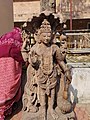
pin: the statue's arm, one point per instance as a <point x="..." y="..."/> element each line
<point x="60" y="60"/>
<point x="63" y="65"/>
<point x="24" y="52"/>
<point x="66" y="72"/>
<point x="34" y="57"/>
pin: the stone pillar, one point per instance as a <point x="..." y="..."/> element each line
<point x="49" y="5"/>
<point x="6" y="16"/>
<point x="44" y="5"/>
<point x="58" y="5"/>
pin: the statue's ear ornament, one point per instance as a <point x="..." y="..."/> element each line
<point x="32" y="39"/>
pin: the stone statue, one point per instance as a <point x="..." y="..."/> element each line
<point x="63" y="85"/>
<point x="46" y="64"/>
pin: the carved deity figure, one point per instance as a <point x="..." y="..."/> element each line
<point x="63" y="83"/>
<point x="42" y="73"/>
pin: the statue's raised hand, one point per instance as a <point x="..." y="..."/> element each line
<point x="34" y="58"/>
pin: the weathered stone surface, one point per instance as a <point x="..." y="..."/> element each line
<point x="38" y="116"/>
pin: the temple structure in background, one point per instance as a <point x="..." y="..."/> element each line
<point x="75" y="12"/>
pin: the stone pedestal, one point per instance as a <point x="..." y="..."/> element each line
<point x="6" y="16"/>
<point x="39" y="116"/>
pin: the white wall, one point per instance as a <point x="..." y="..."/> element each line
<point x="80" y="86"/>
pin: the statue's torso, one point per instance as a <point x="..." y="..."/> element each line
<point x="46" y="57"/>
<point x="46" y="72"/>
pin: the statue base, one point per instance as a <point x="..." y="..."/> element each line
<point x="39" y="115"/>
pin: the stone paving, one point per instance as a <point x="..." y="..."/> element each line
<point x="82" y="111"/>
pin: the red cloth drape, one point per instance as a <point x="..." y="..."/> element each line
<point x="10" y="70"/>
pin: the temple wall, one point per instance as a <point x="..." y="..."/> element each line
<point x="25" y="10"/>
<point x="6" y="16"/>
<point x="80" y="8"/>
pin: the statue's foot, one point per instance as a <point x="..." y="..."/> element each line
<point x="54" y="114"/>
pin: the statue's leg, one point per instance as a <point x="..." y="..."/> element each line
<point x="51" y="105"/>
<point x="43" y="104"/>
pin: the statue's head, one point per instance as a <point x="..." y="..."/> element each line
<point x="45" y="30"/>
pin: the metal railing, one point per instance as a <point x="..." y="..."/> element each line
<point x="78" y="40"/>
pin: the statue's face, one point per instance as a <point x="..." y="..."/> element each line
<point x="46" y="37"/>
<point x="46" y="33"/>
<point x="64" y="44"/>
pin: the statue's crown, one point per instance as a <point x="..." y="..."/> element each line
<point x="45" y="22"/>
<point x="45" y="27"/>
